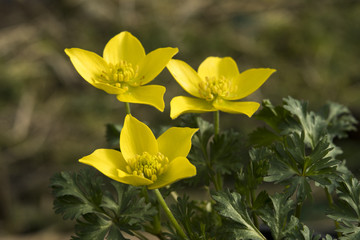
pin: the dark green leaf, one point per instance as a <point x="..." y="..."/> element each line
<point x="102" y="211"/>
<point x="231" y="206"/>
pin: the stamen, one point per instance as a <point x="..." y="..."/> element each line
<point x="120" y="75"/>
<point x="147" y="165"/>
<point x="211" y="87"/>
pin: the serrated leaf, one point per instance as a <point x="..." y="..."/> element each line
<point x="339" y="119"/>
<point x="295" y="165"/>
<point x="252" y="176"/>
<point x="226" y="151"/>
<point x="314" y="126"/>
<point x="100" y="211"/>
<point x="276" y="216"/>
<point x="347" y="209"/>
<point x="76" y="194"/>
<point x="94" y="227"/>
<point x="196" y="218"/>
<point x="231" y="206"/>
<point x="263" y="137"/>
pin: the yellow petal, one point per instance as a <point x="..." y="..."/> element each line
<point x="248" y="82"/>
<point x="109" y="88"/>
<point x="133" y="179"/>
<point x="176" y="142"/>
<point x="88" y="64"/>
<point x="136" y="138"/>
<point x="151" y="95"/>
<point x="178" y="169"/>
<point x="185" y="75"/>
<point x="107" y="161"/>
<point x="247" y="108"/>
<point x="124" y="46"/>
<point x="154" y="63"/>
<point x="180" y="105"/>
<point x="218" y="67"/>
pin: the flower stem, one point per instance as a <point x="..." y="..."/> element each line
<point x="216" y="123"/>
<point x="127" y="108"/>
<point x="169" y="214"/>
<point x="298" y="209"/>
<point x="331" y="204"/>
<point x="252" y="196"/>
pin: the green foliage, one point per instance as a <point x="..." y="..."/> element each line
<point x="296" y="149"/>
<point x="276" y="215"/>
<point x="214" y="155"/>
<point x="293" y="166"/>
<point x="199" y="221"/>
<point x="99" y="213"/>
<point x="233" y="207"/>
<point x="249" y="178"/>
<point x="347" y="209"/>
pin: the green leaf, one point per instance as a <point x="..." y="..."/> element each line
<point x="196" y="218"/>
<point x="276" y="216"/>
<point x="226" y="152"/>
<point x="302" y="232"/>
<point x="250" y="178"/>
<point x="294" y="165"/>
<point x="100" y="209"/>
<point x="91" y="226"/>
<point x="339" y="119"/>
<point x="263" y="137"/>
<point x="232" y="207"/>
<point x="347" y="209"/>
<point x="314" y="126"/>
<point x="76" y="194"/>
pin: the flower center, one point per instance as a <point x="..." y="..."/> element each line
<point x="211" y="87"/>
<point x="148" y="166"/>
<point x="120" y="75"/>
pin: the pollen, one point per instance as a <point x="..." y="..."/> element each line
<point x="120" y="75"/>
<point x="211" y="87"/>
<point x="148" y="166"/>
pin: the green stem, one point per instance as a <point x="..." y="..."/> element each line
<point x="298" y="210"/>
<point x="216" y="123"/>
<point x="218" y="182"/>
<point x="252" y="196"/>
<point x="127" y="108"/>
<point x="169" y="214"/>
<point x="331" y="204"/>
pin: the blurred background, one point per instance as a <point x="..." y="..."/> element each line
<point x="50" y="117"/>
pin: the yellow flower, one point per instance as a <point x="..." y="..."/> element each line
<point x="124" y="69"/>
<point x="216" y="84"/>
<point x="145" y="160"/>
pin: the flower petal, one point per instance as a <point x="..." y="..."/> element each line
<point x="180" y="105"/>
<point x="154" y="63"/>
<point x="176" y="142"/>
<point x="185" y="75"/>
<point x="124" y="47"/>
<point x="107" y="161"/>
<point x="249" y="81"/>
<point x="247" y="108"/>
<point x="151" y="95"/>
<point x="109" y="88"/>
<point x="136" y="138"/>
<point x="178" y="169"/>
<point x="88" y="64"/>
<point x="132" y="179"/>
<point x="218" y="67"/>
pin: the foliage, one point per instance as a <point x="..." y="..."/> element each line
<point x="295" y="150"/>
<point x="99" y="213"/>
